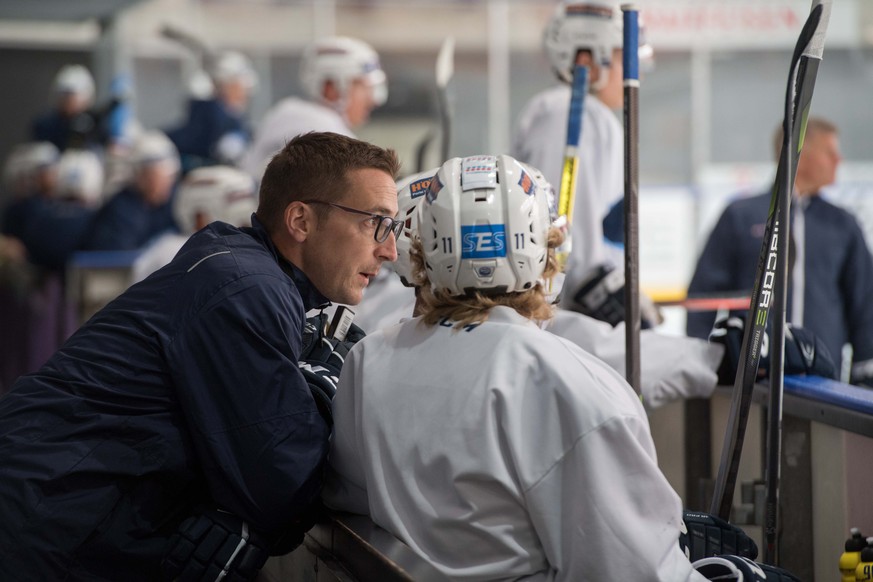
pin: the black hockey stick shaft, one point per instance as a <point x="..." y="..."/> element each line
<point x="631" y="62"/>
<point x="762" y="296"/>
<point x="798" y="99"/>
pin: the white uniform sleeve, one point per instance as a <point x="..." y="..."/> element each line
<point x="671" y="367"/>
<point x="606" y="512"/>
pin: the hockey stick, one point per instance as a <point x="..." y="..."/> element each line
<point x="445" y="68"/>
<point x="570" y="169"/>
<point x="762" y="292"/>
<point x="204" y="53"/>
<point x="631" y="58"/>
<point x="798" y="96"/>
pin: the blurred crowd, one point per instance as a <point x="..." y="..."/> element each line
<point x="92" y="178"/>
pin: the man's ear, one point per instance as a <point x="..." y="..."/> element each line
<point x="299" y="221"/>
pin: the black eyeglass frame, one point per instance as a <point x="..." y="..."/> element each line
<point x="384" y="227"/>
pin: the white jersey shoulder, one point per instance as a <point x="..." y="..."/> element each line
<point x="671" y="367"/>
<point x="289" y="117"/>
<point x="540" y="139"/>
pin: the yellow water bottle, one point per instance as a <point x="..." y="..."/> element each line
<point x="850" y="558"/>
<point x="864" y="569"/>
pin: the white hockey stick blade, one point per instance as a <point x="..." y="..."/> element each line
<point x="445" y="65"/>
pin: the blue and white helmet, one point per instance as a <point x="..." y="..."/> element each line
<point x="484" y="227"/>
<point x="410" y="193"/>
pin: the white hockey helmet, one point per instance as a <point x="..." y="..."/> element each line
<point x="484" y="227"/>
<point x="410" y="193"/>
<point x="153" y="147"/>
<point x="342" y="60"/>
<point x="218" y="193"/>
<point x="231" y="66"/>
<point x="80" y="177"/>
<point x="75" y="79"/>
<point x="594" y="25"/>
<point x="25" y="161"/>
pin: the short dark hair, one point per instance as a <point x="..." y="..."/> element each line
<point x="315" y="166"/>
<point x="814" y="126"/>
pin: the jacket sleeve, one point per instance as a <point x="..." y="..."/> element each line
<point x="714" y="272"/>
<point x="253" y="423"/>
<point x="856" y="283"/>
<point x="605" y="511"/>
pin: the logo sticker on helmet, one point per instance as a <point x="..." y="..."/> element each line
<point x="483" y="241"/>
<point x="526" y="182"/>
<point x="478" y="172"/>
<point x="419" y="187"/>
<point x="433" y="189"/>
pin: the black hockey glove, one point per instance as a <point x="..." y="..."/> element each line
<point x="804" y="352"/>
<point x="738" y="569"/>
<point x="322" y="360"/>
<point x="706" y="535"/>
<point x="214" y="545"/>
<point x="601" y="297"/>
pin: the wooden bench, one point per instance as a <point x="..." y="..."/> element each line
<point x="350" y="548"/>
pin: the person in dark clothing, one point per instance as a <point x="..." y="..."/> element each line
<point x="216" y="130"/>
<point x="143" y="209"/>
<point x="186" y="390"/>
<point x="831" y="279"/>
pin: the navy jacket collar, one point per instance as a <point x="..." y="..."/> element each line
<point x="312" y="297"/>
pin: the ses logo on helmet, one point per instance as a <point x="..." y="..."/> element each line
<point x="483" y="241"/>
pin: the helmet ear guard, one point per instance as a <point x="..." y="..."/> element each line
<point x="484" y="227"/>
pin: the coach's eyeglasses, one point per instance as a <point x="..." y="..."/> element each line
<point x="382" y="225"/>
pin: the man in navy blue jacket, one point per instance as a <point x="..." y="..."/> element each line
<point x="831" y="280"/>
<point x="186" y="389"/>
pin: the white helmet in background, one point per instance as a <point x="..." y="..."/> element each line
<point x="231" y="66"/>
<point x="410" y="193"/>
<point x="342" y="60"/>
<point x="25" y="161"/>
<point x="80" y="177"/>
<point x="153" y="147"/>
<point x="484" y="227"/>
<point x="594" y="25"/>
<point x="75" y="79"/>
<point x="216" y="193"/>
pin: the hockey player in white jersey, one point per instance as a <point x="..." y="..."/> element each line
<point x="343" y="81"/>
<point x="588" y="33"/>
<point x="672" y="367"/>
<point x="492" y="448"/>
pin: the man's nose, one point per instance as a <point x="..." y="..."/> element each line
<point x="387" y="251"/>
